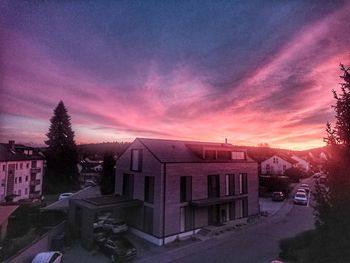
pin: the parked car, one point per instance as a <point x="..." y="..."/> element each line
<point x="48" y="257"/>
<point x="300" y="198"/>
<point x="277" y="196"/>
<point x="116" y="226"/>
<point x="118" y="248"/>
<point x="100" y="234"/>
<point x="64" y="196"/>
<point x="301" y="190"/>
<point x="306" y="187"/>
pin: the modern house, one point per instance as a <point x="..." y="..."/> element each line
<point x="276" y="164"/>
<point x="21" y="172"/>
<point x="185" y="186"/>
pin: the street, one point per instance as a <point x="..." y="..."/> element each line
<point x="257" y="243"/>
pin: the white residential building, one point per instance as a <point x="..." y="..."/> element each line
<point x="276" y="165"/>
<point x="21" y="172"/>
<point x="301" y="163"/>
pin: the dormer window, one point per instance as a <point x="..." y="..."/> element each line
<point x="210" y="155"/>
<point x="238" y="155"/>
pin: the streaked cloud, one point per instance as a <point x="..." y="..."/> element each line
<point x="250" y="72"/>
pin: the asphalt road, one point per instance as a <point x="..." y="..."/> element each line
<point x="257" y="243"/>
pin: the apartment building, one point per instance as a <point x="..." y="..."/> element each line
<point x="21" y="172"/>
<point x="185" y="186"/>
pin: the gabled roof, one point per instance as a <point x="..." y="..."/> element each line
<point x="284" y="157"/>
<point x="173" y="151"/>
<point x="17" y="154"/>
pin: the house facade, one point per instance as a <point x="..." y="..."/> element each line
<point x="301" y="163"/>
<point x="185" y="186"/>
<point x="21" y="172"/>
<point x="276" y="165"/>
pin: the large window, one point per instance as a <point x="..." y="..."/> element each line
<point x="238" y="155"/>
<point x="213" y="186"/>
<point x="186" y="219"/>
<point x="149" y="189"/>
<point x="230" y="184"/>
<point x="33" y="164"/>
<point x="243" y="183"/>
<point x="241" y="208"/>
<point x="185" y="188"/>
<point x="136" y="160"/>
<point x="148" y="219"/>
<point x="128" y="185"/>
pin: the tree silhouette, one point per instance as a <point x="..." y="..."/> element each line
<point x="108" y="175"/>
<point x="61" y="155"/>
<point x="332" y="210"/>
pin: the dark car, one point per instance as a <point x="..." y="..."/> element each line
<point x="277" y="196"/>
<point x="118" y="248"/>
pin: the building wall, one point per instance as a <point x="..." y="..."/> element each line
<point x="199" y="173"/>
<point x="276" y="167"/>
<point x="302" y="164"/>
<point x="150" y="167"/>
<point x="23" y="170"/>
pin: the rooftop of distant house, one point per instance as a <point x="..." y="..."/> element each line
<point x="17" y="152"/>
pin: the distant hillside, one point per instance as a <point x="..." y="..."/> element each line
<point x="101" y="148"/>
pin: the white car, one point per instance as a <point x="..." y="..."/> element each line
<point x="301" y="190"/>
<point x="48" y="257"/>
<point x="300" y="198"/>
<point x="306" y="187"/>
<point x="64" y="196"/>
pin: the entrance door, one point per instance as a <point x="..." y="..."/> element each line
<point x="214" y="215"/>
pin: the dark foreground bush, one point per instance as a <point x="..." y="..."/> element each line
<point x="292" y="247"/>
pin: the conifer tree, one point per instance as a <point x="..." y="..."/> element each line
<point x="61" y="155"/>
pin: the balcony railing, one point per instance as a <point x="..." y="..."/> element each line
<point x="34" y="182"/>
<point x="35" y="170"/>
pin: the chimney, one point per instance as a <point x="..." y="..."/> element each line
<point x="12" y="145"/>
<point x="225" y="140"/>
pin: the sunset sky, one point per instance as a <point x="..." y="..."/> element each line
<point x="249" y="71"/>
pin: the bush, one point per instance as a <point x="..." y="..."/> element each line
<point x="292" y="247"/>
<point x="294" y="174"/>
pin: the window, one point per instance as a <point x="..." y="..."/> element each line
<point x="33" y="164"/>
<point x="3" y="167"/>
<point x="213" y="186"/>
<point x="210" y="155"/>
<point x="21" y="166"/>
<point x="148" y="219"/>
<point x="149" y="189"/>
<point x="243" y="183"/>
<point x="20" y="179"/>
<point x="267" y="168"/>
<point x="26" y="178"/>
<point x="224" y="155"/>
<point x="16" y="166"/>
<point x="238" y="155"/>
<point x="241" y="208"/>
<point x="230" y="184"/>
<point x="185" y="188"/>
<point x="27" y="165"/>
<point x="232" y="211"/>
<point x="186" y="219"/>
<point x="136" y="160"/>
<point x="128" y="185"/>
<point x="15" y="180"/>
<point x="26" y="191"/>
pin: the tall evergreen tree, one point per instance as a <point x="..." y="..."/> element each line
<point x="108" y="175"/>
<point x="62" y="154"/>
<point x="332" y="209"/>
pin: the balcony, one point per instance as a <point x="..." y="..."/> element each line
<point x="34" y="182"/>
<point x="35" y="170"/>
